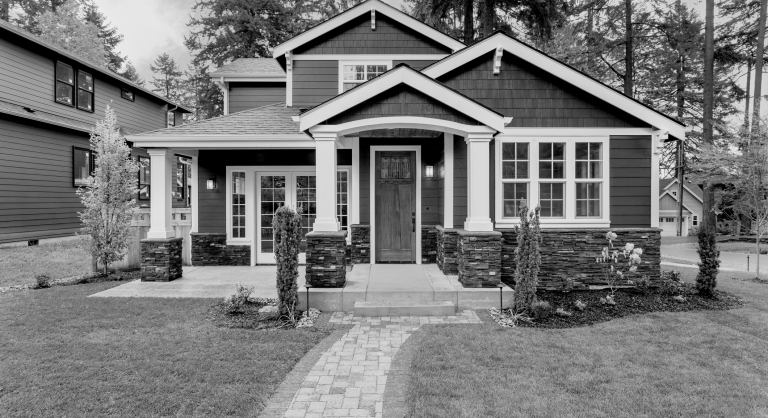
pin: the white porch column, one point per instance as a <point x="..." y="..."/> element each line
<point x="325" y="171"/>
<point x="161" y="167"/>
<point x="448" y="181"/>
<point x="478" y="179"/>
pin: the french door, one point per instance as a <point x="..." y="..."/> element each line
<point x="296" y="189"/>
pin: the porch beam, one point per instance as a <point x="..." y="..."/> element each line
<point x="161" y="160"/>
<point x="478" y="176"/>
<point x="325" y="172"/>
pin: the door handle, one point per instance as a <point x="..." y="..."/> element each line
<point x="413" y="220"/>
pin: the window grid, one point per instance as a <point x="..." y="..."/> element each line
<point x="589" y="160"/>
<point x="306" y="202"/>
<point x="588" y="200"/>
<point x="65" y="84"/>
<point x="144" y="178"/>
<point x="238" y="204"/>
<point x="84" y="91"/>
<point x="342" y="198"/>
<point x="552" y="200"/>
<point x="515" y="158"/>
<point x="695" y="220"/>
<point x="358" y="73"/>
<point x="552" y="160"/>
<point x="273" y="189"/>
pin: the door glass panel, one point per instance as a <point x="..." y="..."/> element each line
<point x="306" y="205"/>
<point x="272" y="197"/>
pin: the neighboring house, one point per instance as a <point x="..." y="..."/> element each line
<point x="693" y="202"/>
<point x="402" y="145"/>
<point x="49" y="102"/>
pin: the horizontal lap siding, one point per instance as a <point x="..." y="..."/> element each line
<point x="27" y="79"/>
<point x="459" y="181"/>
<point x="630" y="171"/>
<point x="402" y="101"/>
<point x="244" y="96"/>
<point x="532" y="97"/>
<point x="356" y="37"/>
<point x="314" y="82"/>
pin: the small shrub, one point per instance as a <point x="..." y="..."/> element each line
<point x="671" y="284"/>
<point x="608" y="301"/>
<point x="706" y="280"/>
<point x="541" y="309"/>
<point x="579" y="305"/>
<point x="235" y="304"/>
<point x="43" y="281"/>
<point x="642" y="284"/>
<point x="562" y="312"/>
<point x="527" y="258"/>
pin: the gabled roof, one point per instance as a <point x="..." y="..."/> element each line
<point x="402" y="74"/>
<point x="6" y="27"/>
<point x="360" y="9"/>
<point x="694" y="189"/>
<point x="562" y="71"/>
<point x="251" y="67"/>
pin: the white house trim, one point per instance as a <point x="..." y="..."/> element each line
<point x="412" y="78"/>
<point x="222" y="141"/>
<point x="405" y="122"/>
<point x="417" y="149"/>
<point x="561" y="71"/>
<point x="448" y="181"/>
<point x="369" y="57"/>
<point x="255" y="78"/>
<point x="359" y="10"/>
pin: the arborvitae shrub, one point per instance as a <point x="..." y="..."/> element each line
<point x="287" y="229"/>
<point x="527" y="258"/>
<point x="706" y="280"/>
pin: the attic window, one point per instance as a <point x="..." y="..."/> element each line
<point x="127" y="95"/>
<point x="354" y="73"/>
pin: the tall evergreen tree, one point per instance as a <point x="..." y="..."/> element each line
<point x="32" y="10"/>
<point x="67" y="29"/>
<point x="131" y="74"/>
<point x="107" y="33"/>
<point x="709" y="218"/>
<point x="168" y="79"/>
<point x="201" y="94"/>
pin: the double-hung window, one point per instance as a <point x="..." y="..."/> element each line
<point x="552" y="179"/>
<point x="74" y="87"/>
<point x="238" y="204"/>
<point x="514" y="176"/>
<point x="342" y="198"/>
<point x="84" y="91"/>
<point x="354" y="73"/>
<point x="65" y="84"/>
<point x="83" y="165"/>
<point x="589" y="175"/>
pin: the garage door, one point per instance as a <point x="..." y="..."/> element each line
<point x="669" y="227"/>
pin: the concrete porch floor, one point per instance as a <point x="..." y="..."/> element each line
<point x="385" y="283"/>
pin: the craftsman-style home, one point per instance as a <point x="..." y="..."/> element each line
<point x="401" y="144"/>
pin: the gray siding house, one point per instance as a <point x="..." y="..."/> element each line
<point x="49" y="102"/>
<point x="400" y="144"/>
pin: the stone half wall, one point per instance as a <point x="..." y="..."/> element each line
<point x="428" y="244"/>
<point x="360" y="251"/>
<point x="447" y="250"/>
<point x="212" y="250"/>
<point x="571" y="253"/>
<point x="161" y="259"/>
<point x="479" y="258"/>
<point x="326" y="259"/>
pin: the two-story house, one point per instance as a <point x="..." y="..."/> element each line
<point x="400" y="144"/>
<point x="49" y="102"/>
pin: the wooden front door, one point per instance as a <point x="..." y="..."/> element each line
<point x="395" y="206"/>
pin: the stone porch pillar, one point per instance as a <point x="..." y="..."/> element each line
<point x="161" y="252"/>
<point x="478" y="177"/>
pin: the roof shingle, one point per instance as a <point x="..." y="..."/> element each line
<point x="256" y="66"/>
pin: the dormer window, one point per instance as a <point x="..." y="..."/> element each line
<point x="354" y="73"/>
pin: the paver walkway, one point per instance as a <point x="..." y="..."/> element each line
<point x="349" y="379"/>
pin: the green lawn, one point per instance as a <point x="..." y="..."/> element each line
<point x="693" y="364"/>
<point x="20" y="265"/>
<point x="63" y="354"/>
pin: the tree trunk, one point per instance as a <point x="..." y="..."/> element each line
<point x="628" y="76"/>
<point x="680" y="81"/>
<point x="489" y="17"/>
<point x="758" y="96"/>
<point x="757" y="244"/>
<point x="709" y="220"/>
<point x="469" y="21"/>
<point x="746" y="105"/>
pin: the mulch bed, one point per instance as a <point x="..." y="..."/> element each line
<point x="250" y="317"/>
<point x="628" y="302"/>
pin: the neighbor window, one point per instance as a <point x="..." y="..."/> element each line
<point x="342" y="198"/>
<point x="65" y="84"/>
<point x="84" y="91"/>
<point x="514" y="167"/>
<point x="83" y="164"/>
<point x="144" y="178"/>
<point x="695" y="220"/>
<point x="358" y="73"/>
<point x="127" y="95"/>
<point x="238" y="204"/>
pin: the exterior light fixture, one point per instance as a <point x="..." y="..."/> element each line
<point x="211" y="184"/>
<point x="430" y="171"/>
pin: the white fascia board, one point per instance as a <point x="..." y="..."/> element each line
<point x="369" y="57"/>
<point x="253" y="77"/>
<point x="363" y="9"/>
<point x="572" y="132"/>
<point x="410" y="77"/>
<point x="403" y="122"/>
<point x="223" y="141"/>
<point x="561" y="71"/>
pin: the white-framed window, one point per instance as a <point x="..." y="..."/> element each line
<point x="695" y="220"/>
<point x="353" y="73"/>
<point x="342" y="198"/>
<point x="566" y="176"/>
<point x="237" y="187"/>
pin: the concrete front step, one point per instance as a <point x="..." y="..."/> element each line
<point x="405" y="308"/>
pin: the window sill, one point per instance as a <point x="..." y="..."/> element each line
<point x="558" y="223"/>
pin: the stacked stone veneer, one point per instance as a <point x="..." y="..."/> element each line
<point x="161" y="259"/>
<point x="361" y="244"/>
<point x="212" y="250"/>
<point x="326" y="259"/>
<point x="479" y="258"/>
<point x="447" y="249"/>
<point x="428" y="244"/>
<point x="571" y="253"/>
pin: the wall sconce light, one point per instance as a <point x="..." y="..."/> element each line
<point x="430" y="171"/>
<point x="211" y="184"/>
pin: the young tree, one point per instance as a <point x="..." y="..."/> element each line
<point x="65" y="28"/>
<point x="170" y="81"/>
<point x="108" y="194"/>
<point x="287" y="226"/>
<point x="527" y="258"/>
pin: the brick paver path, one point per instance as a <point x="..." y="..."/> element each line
<point x="350" y="378"/>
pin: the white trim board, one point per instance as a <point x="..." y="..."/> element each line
<point x="369" y="57"/>
<point x="373" y="149"/>
<point x="223" y="141"/>
<point x="561" y="71"/>
<point x="361" y="9"/>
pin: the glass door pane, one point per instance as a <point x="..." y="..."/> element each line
<point x="272" y="192"/>
<point x="305" y="198"/>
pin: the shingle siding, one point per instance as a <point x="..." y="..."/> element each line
<point x="630" y="171"/>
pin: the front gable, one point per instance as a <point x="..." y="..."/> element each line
<point x="388" y="37"/>
<point x="533" y="98"/>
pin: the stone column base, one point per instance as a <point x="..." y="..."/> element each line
<point x="447" y="250"/>
<point x="479" y="258"/>
<point x="361" y="244"/>
<point x="326" y="259"/>
<point x="161" y="259"/>
<point x="428" y="244"/>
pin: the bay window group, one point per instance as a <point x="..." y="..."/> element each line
<point x="565" y="177"/>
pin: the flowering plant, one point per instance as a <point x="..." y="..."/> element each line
<point x="620" y="263"/>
